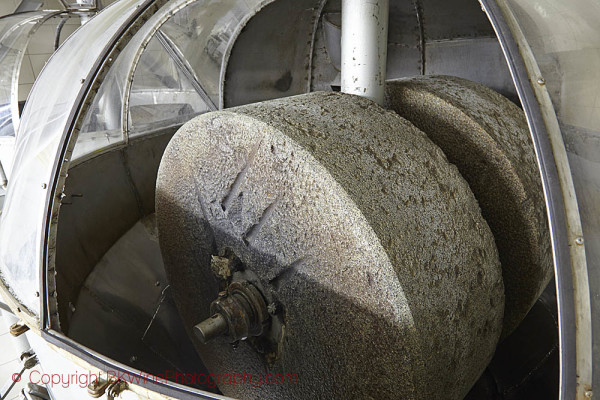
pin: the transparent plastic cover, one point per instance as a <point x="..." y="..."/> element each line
<point x="44" y="119"/>
<point x="565" y="39"/>
<point x="16" y="31"/>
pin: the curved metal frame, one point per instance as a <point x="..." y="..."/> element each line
<point x="570" y="266"/>
<point x="48" y="315"/>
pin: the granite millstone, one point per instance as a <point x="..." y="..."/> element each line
<point x="370" y="242"/>
<point x="486" y="136"/>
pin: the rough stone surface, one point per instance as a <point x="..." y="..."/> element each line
<point x="371" y="243"/>
<point x="486" y="136"/>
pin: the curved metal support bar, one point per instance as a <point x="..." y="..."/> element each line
<point x="570" y="266"/>
<point x="59" y="29"/>
<point x="3" y="179"/>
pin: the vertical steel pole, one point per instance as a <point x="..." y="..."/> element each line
<point x="364" y="47"/>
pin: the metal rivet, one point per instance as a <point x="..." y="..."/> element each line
<point x="44" y="186"/>
<point x="588" y="394"/>
<point x="541" y="81"/>
<point x="82" y="80"/>
<point x="579" y="240"/>
<point x="37" y="294"/>
<point x="157" y="283"/>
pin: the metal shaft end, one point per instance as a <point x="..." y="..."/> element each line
<point x="211" y="328"/>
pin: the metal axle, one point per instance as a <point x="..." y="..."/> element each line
<point x="364" y="47"/>
<point x="238" y="313"/>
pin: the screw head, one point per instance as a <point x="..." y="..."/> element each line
<point x="541" y="81"/>
<point x="579" y="241"/>
<point x="44" y="186"/>
<point x="588" y="394"/>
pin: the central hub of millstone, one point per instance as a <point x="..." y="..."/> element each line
<point x="346" y="217"/>
<point x="241" y="310"/>
<point x="238" y="312"/>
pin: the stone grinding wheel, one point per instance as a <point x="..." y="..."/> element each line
<point x="486" y="136"/>
<point x="385" y="277"/>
